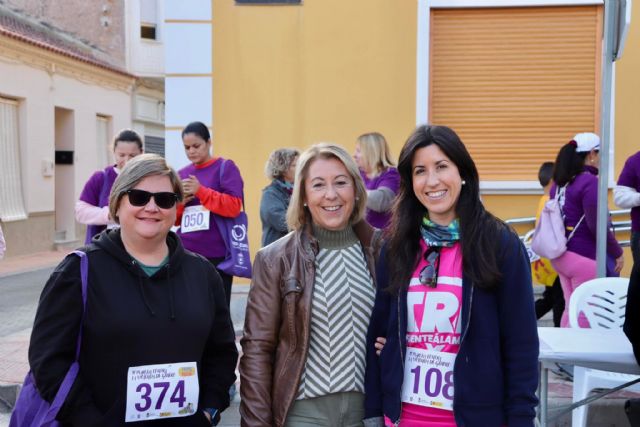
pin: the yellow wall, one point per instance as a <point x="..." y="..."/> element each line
<point x="330" y="70"/>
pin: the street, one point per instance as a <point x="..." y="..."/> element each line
<point x="19" y="300"/>
<point x="19" y="296"/>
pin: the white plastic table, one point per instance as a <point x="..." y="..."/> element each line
<point x="607" y="350"/>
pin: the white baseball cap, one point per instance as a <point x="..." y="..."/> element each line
<point x="586" y="142"/>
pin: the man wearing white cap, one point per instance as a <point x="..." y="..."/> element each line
<point x="576" y="172"/>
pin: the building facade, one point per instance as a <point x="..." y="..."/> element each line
<point x="63" y="95"/>
<point x="515" y="78"/>
<point x="144" y="49"/>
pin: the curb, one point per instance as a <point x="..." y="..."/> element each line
<point x="8" y="396"/>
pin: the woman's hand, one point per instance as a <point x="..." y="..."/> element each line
<point x="619" y="264"/>
<point x="190" y="185"/>
<point x="379" y="345"/>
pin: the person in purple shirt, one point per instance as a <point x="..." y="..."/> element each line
<point x="212" y="186"/>
<point x="92" y="208"/>
<point x="380" y="177"/>
<point x="576" y="173"/>
<point x="626" y="195"/>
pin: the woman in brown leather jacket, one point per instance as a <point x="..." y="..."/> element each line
<point x="311" y="297"/>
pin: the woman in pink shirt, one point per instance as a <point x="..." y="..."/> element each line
<point x="454" y="302"/>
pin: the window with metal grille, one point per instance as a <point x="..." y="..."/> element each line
<point x="11" y="198"/>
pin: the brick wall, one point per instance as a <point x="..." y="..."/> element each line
<point x="99" y="23"/>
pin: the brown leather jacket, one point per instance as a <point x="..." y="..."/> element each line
<point x="277" y="323"/>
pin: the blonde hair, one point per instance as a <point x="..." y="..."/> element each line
<point x="375" y="152"/>
<point x="297" y="214"/>
<point x="135" y="171"/>
<point x="279" y="162"/>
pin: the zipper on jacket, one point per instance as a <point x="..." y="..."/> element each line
<point x="466" y="329"/>
<point x="397" y="422"/>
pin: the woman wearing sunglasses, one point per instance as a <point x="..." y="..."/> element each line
<point x="157" y="338"/>
<point x="212" y="186"/>
<point x="454" y="302"/>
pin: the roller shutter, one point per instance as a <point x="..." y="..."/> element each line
<point x="515" y="83"/>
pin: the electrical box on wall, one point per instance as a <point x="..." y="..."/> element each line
<point x="64" y="157"/>
<point x="47" y="167"/>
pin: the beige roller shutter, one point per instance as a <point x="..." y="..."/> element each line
<point x="515" y="83"/>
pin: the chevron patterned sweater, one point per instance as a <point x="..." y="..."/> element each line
<point x="343" y="296"/>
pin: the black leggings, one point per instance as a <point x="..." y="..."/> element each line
<point x="552" y="299"/>
<point x="227" y="280"/>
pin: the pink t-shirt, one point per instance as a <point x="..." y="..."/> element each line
<point x="434" y="323"/>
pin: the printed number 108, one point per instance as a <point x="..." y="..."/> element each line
<point x="433" y="382"/>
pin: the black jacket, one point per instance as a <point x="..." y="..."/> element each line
<point x="632" y="311"/>
<point x="177" y="315"/>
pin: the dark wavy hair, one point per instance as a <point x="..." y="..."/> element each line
<point x="478" y="228"/>
<point x="569" y="163"/>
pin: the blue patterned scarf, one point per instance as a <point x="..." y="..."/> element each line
<point x="287" y="186"/>
<point x="440" y="235"/>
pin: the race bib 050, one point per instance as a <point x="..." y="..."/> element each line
<point x="195" y="218"/>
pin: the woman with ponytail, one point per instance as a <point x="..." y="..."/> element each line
<point x="576" y="179"/>
<point x="454" y="304"/>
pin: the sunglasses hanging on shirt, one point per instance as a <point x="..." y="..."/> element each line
<point x="163" y="199"/>
<point x="429" y="273"/>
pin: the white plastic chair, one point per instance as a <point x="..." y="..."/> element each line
<point x="603" y="302"/>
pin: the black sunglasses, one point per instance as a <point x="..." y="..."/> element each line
<point x="429" y="273"/>
<point x="163" y="199"/>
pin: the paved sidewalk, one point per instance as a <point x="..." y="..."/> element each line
<point x="36" y="261"/>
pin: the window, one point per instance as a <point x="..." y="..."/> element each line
<point x="103" y="145"/>
<point x="154" y="145"/>
<point x="148" y="19"/>
<point x="148" y="31"/>
<point x="11" y="198"/>
<point x="515" y="83"/>
<point x="268" y="1"/>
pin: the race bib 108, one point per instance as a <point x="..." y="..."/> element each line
<point x="162" y="391"/>
<point x="428" y="378"/>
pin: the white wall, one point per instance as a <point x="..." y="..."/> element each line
<point x="144" y="57"/>
<point x="188" y="65"/>
<point x="39" y="93"/>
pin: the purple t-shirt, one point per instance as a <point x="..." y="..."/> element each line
<point x="209" y="243"/>
<point x="96" y="192"/>
<point x="581" y="198"/>
<point x="390" y="179"/>
<point x="630" y="177"/>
